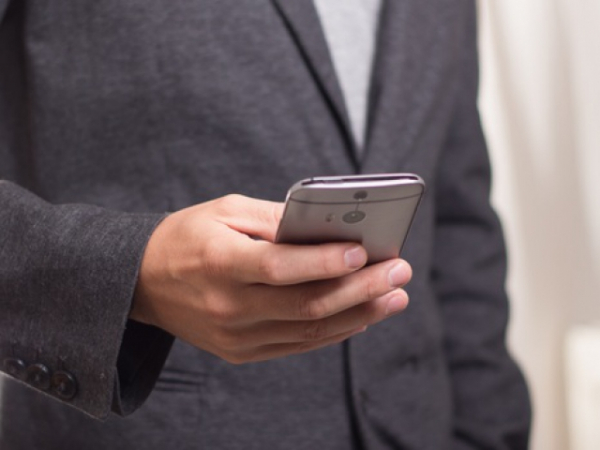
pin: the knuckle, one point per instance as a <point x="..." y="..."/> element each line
<point x="235" y="358"/>
<point x="315" y="331"/>
<point x="269" y="214"/>
<point x="247" y="355"/>
<point x="326" y="262"/>
<point x="228" y="205"/>
<point x="315" y="309"/>
<point x="230" y="202"/>
<point x="275" y="214"/>
<point x="312" y="309"/>
<point x="222" y="314"/>
<point x="268" y="268"/>
<point x="370" y="289"/>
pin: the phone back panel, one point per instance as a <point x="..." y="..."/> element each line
<point x="379" y="218"/>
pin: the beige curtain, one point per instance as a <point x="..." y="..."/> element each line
<point x="540" y="103"/>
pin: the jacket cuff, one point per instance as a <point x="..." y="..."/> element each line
<point x="67" y="279"/>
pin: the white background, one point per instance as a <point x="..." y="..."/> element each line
<point x="540" y="102"/>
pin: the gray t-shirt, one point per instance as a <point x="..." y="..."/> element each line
<point x="350" y="29"/>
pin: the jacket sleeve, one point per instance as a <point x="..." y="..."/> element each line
<point x="67" y="279"/>
<point x="491" y="405"/>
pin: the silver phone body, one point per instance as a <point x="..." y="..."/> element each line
<point x="373" y="210"/>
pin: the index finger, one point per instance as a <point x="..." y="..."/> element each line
<point x="286" y="264"/>
<point x="250" y="216"/>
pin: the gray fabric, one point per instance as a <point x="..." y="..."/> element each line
<point x="350" y="29"/>
<point x="112" y="113"/>
<point x="79" y="250"/>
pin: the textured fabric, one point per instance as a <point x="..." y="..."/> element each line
<point x="351" y="28"/>
<point x="112" y="113"/>
<point x="60" y="313"/>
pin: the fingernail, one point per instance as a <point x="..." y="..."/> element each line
<point x="396" y="304"/>
<point x="355" y="257"/>
<point x="399" y="275"/>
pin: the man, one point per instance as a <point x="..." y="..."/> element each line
<point x="115" y="112"/>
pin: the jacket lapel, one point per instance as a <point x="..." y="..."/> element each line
<point x="415" y="42"/>
<point x="303" y="22"/>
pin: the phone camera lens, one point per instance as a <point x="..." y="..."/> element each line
<point x="354" y="217"/>
<point x="360" y="195"/>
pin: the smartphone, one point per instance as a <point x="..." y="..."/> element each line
<point x="373" y="210"/>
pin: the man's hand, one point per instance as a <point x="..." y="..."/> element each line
<point x="205" y="280"/>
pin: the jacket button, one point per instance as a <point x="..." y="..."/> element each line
<point x="15" y="367"/>
<point x="38" y="376"/>
<point x="64" y="385"/>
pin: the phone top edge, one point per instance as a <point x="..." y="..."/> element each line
<point x="373" y="179"/>
<point x="386" y="184"/>
<point x="354" y="202"/>
<point x="358" y="181"/>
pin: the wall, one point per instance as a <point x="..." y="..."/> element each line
<point x="540" y="102"/>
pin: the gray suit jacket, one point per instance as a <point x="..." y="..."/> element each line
<point x="115" y="112"/>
